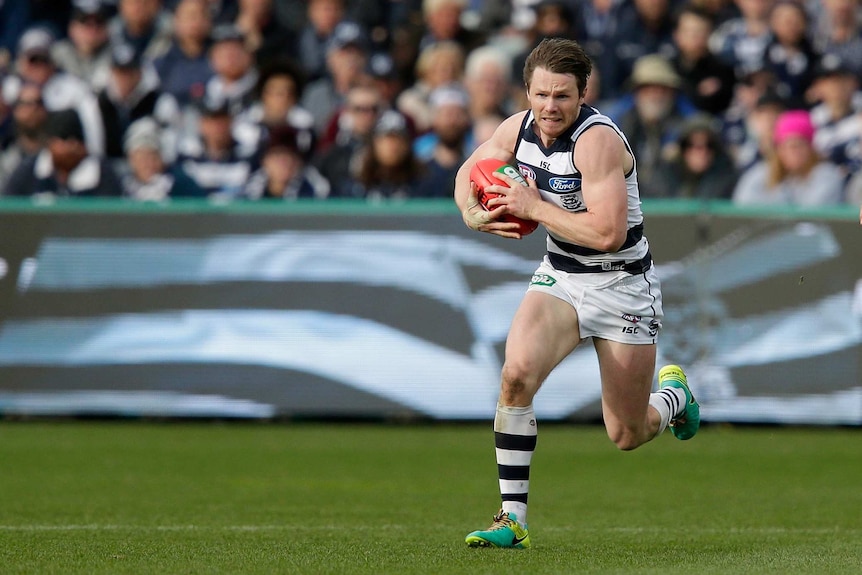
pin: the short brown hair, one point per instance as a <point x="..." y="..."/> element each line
<point x="559" y="56"/>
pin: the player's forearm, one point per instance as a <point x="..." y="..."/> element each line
<point x="586" y="229"/>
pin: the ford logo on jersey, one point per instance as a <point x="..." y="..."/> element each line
<point x="564" y="184"/>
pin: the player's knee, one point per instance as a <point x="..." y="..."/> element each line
<point x="517" y="384"/>
<point x="625" y="438"/>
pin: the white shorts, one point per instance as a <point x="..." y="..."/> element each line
<point x="617" y="306"/>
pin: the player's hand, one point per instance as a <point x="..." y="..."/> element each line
<point x="518" y="199"/>
<point x="478" y="218"/>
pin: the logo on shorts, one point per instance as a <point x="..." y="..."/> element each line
<point x="654" y="326"/>
<point x="631" y="318"/>
<point x="542" y="280"/>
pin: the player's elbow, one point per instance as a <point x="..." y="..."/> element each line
<point x="611" y="240"/>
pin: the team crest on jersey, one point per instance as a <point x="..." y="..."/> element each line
<point x="572" y="202"/>
<point x="559" y="184"/>
<point x="542" y="280"/>
<point x="527" y="171"/>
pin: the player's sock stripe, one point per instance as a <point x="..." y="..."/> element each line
<point x="516" y="442"/>
<point x="522" y="497"/>
<point x="514" y="472"/>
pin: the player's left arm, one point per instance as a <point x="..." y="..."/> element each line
<point x="602" y="159"/>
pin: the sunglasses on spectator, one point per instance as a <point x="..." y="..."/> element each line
<point x="371" y="109"/>
<point x="37" y="102"/>
<point x="38" y="59"/>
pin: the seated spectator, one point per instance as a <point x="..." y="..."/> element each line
<point x="144" y="25"/>
<point x="789" y="54"/>
<point x="741" y="41"/>
<point x="64" y="167"/>
<point x="60" y="90"/>
<point x="837" y="116"/>
<point x="652" y="115"/>
<point x="837" y="30"/>
<point x="213" y="158"/>
<point x="276" y="102"/>
<point x="596" y="23"/>
<point x="29" y="117"/>
<point x="747" y="125"/>
<point x="795" y="174"/>
<point x="323" y="18"/>
<point x="132" y="92"/>
<point x="284" y="173"/>
<point x="149" y="178"/>
<point x="442" y="23"/>
<point x="488" y="81"/>
<point x="265" y="37"/>
<point x="185" y="68"/>
<point x="706" y="81"/>
<point x="441" y="64"/>
<point x="644" y="27"/>
<point x="346" y="61"/>
<point x="352" y="133"/>
<point x="447" y="145"/>
<point x="700" y="169"/>
<point x="387" y="168"/>
<point x="235" y="74"/>
<point x="85" y="53"/>
<point x="384" y="74"/>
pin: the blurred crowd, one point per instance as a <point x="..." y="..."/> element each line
<point x="754" y="101"/>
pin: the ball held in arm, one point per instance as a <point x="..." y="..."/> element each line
<point x="487" y="172"/>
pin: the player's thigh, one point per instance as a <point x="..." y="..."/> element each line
<point x="627" y="372"/>
<point x="543" y="332"/>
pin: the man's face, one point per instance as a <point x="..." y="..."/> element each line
<point x="192" y="20"/>
<point x="216" y="131"/>
<point x="230" y="59"/>
<point x="66" y="153"/>
<point x="29" y="112"/>
<point x="654" y="103"/>
<point x="554" y="100"/>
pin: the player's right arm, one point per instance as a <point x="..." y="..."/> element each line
<point x="500" y="145"/>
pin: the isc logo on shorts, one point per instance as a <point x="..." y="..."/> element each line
<point x="542" y="280"/>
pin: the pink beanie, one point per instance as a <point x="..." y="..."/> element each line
<point x="794" y="123"/>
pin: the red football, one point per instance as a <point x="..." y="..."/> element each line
<point x="485" y="173"/>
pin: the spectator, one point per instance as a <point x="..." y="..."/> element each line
<point x="355" y="124"/>
<point x="794" y="174"/>
<point x="64" y="167"/>
<point x="387" y="168"/>
<point x="751" y="139"/>
<point x="700" y="169"/>
<point x="214" y="159"/>
<point x="149" y="178"/>
<point x="706" y="81"/>
<point x="346" y="61"/>
<point x="143" y="25"/>
<point x="314" y="40"/>
<point x="837" y="30"/>
<point x="444" y="149"/>
<point x="789" y="54"/>
<point x="487" y="79"/>
<point x="384" y="74"/>
<point x="185" y="68"/>
<point x="284" y="173"/>
<point x="837" y="116"/>
<point x="596" y="23"/>
<point x="60" y="90"/>
<point x="27" y="131"/>
<point x="86" y="52"/>
<point x="741" y="41"/>
<point x="440" y="64"/>
<point x="276" y="102"/>
<point x="442" y="23"/>
<point x="645" y="28"/>
<point x="131" y="93"/>
<point x="265" y="37"/>
<point x="653" y="114"/>
<point x="235" y="74"/>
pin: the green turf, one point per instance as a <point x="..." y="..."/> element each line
<point x="287" y="498"/>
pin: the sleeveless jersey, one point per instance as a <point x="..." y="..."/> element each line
<point x="559" y="182"/>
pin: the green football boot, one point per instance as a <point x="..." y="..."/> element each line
<point x="686" y="424"/>
<point x="505" y="531"/>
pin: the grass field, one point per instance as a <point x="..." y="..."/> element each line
<point x="131" y="497"/>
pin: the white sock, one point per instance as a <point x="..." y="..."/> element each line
<point x="515" y="434"/>
<point x="669" y="402"/>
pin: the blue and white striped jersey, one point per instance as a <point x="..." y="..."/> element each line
<point x="559" y="182"/>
